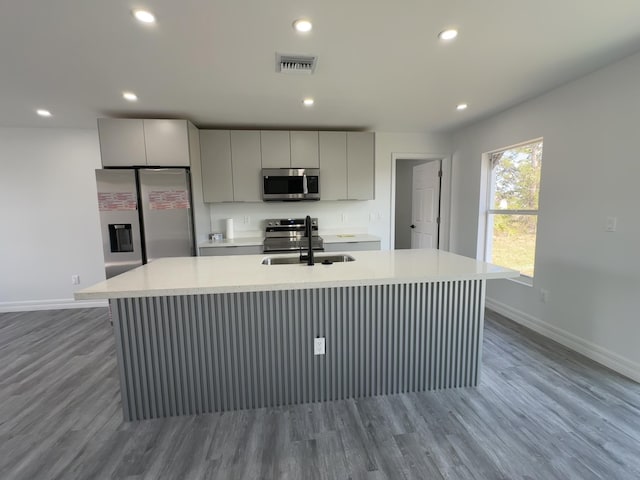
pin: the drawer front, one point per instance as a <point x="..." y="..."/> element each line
<point x="230" y="250"/>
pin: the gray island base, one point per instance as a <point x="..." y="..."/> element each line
<point x="212" y="352"/>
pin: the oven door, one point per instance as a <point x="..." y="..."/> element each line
<point x="290" y="184"/>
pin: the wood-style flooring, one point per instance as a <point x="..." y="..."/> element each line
<point x="541" y="412"/>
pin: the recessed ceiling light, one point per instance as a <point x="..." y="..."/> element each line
<point x="308" y="102"/>
<point x="448" y="34"/>
<point x="302" y="25"/>
<point x="129" y="96"/>
<point x="144" y="16"/>
<point x="43" y="113"/>
<point x="462" y="106"/>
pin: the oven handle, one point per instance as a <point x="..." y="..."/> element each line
<point x="305" y="189"/>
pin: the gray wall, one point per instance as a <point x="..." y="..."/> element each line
<point x="590" y="171"/>
<point x="49" y="212"/>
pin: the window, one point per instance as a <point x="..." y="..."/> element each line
<point x="512" y="214"/>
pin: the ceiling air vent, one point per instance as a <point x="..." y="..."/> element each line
<point x="295" y="63"/>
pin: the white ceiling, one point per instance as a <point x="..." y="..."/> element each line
<point x="380" y="64"/>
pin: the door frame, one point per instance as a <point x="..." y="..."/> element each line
<point x="445" y="195"/>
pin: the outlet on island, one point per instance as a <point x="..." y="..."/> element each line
<point x="318" y="346"/>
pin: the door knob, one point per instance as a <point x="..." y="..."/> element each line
<point x="413" y="226"/>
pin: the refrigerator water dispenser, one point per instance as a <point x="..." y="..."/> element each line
<point x="120" y="237"/>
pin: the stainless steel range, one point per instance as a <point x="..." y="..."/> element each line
<point x="287" y="235"/>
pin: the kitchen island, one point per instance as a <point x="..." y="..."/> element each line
<point x="208" y="334"/>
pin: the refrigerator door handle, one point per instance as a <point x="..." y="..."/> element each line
<point x="190" y="223"/>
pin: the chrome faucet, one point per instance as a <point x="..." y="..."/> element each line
<point x="308" y="233"/>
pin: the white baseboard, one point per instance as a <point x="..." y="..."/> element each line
<point x="55" y="304"/>
<point x="596" y="353"/>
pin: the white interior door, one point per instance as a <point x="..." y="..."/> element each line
<point x="425" y="205"/>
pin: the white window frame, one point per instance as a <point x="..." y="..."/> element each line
<point x="489" y="212"/>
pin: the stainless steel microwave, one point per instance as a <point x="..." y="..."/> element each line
<point x="290" y="184"/>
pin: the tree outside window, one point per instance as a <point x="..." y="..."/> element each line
<point x="512" y="217"/>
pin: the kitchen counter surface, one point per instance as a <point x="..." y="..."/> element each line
<point x="206" y="275"/>
<point x="236" y="242"/>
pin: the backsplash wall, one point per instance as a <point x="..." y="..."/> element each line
<point x="333" y="217"/>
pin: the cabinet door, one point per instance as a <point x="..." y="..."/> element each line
<point x="360" y="163"/>
<point x="167" y="143"/>
<point x="304" y="150"/>
<point x="121" y="142"/>
<point x="230" y="250"/>
<point x="246" y="165"/>
<point x="276" y="149"/>
<point x="333" y="165"/>
<point x="215" y="155"/>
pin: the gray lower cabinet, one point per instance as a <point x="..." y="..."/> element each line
<point x="128" y="142"/>
<point x="231" y="250"/>
<point x="347" y="165"/>
<point x="351" y="246"/>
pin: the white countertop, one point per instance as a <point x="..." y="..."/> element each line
<point x="245" y="273"/>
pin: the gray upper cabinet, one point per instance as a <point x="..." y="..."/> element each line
<point x="284" y="149"/>
<point x="127" y="142"/>
<point x="121" y="142"/>
<point x="230" y="165"/>
<point x="215" y="155"/>
<point x="360" y="165"/>
<point x="246" y="165"/>
<point x="167" y="143"/>
<point x="276" y="149"/>
<point x="232" y="161"/>
<point x="304" y="150"/>
<point x="333" y="165"/>
<point x="346" y="165"/>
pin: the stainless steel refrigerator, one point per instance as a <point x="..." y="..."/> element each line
<point x="145" y="214"/>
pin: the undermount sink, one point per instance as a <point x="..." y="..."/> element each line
<point x="319" y="259"/>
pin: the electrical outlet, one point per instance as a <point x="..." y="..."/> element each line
<point x="318" y="346"/>
<point x="379" y="215"/>
<point x="75" y="279"/>
<point x="247" y="219"/>
<point x="544" y="295"/>
<point x="612" y="224"/>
